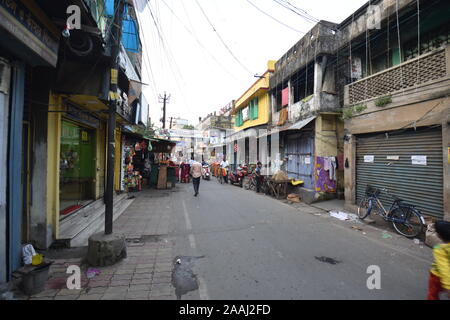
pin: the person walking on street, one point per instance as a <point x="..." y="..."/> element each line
<point x="224" y="166"/>
<point x="439" y="280"/>
<point x="258" y="176"/>
<point x="196" y="173"/>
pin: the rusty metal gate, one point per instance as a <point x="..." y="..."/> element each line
<point x="409" y="164"/>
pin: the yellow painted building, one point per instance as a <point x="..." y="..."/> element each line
<point x="252" y="109"/>
<point x="84" y="138"/>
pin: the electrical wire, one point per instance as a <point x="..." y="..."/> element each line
<point x="297" y="11"/>
<point x="280" y="22"/>
<point x="168" y="54"/>
<point x="146" y="57"/>
<point x="198" y="41"/>
<point x="221" y="39"/>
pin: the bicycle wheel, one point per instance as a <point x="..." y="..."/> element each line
<point x="364" y="208"/>
<point x="407" y="221"/>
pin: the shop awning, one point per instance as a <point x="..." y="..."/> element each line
<point x="296" y="126"/>
<point x="300" y="124"/>
<point x="162" y="145"/>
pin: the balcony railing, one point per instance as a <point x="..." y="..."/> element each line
<point x="423" y="69"/>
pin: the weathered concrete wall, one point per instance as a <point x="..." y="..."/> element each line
<point x="320" y="40"/>
<point x="4" y="116"/>
<point x="350" y="172"/>
<point x="326" y="144"/>
<point x="406" y="116"/>
<point x="357" y="25"/>
<point x="41" y="233"/>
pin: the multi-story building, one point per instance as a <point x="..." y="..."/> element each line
<point x="215" y="127"/>
<point x="29" y="44"/>
<point x="54" y="91"/>
<point x="393" y="68"/>
<point x="251" y="116"/>
<point x="306" y="114"/>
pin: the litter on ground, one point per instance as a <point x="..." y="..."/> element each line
<point x="386" y="235"/>
<point x="344" y="216"/>
<point x="91" y="273"/>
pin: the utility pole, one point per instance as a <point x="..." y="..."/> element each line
<point x="170" y="122"/>
<point x="164" y="100"/>
<point x="113" y="97"/>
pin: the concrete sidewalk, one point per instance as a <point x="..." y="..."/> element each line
<point x="145" y="274"/>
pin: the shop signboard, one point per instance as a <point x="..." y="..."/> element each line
<point x="79" y="115"/>
<point x="18" y="20"/>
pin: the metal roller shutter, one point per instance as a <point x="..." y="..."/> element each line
<point x="299" y="150"/>
<point x="420" y="185"/>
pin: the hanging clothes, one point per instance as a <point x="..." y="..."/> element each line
<point x="333" y="167"/>
<point x="330" y="165"/>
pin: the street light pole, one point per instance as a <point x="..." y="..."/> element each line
<point x="116" y="35"/>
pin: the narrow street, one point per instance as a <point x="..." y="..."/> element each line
<point x="255" y="247"/>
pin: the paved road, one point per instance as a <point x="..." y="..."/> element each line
<point x="255" y="247"/>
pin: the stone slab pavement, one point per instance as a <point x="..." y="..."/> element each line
<point x="145" y="274"/>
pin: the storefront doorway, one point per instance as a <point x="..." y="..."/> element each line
<point x="77" y="167"/>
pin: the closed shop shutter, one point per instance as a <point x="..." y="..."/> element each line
<point x="299" y="150"/>
<point x="418" y="184"/>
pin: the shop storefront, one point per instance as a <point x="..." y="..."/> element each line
<point x="135" y="163"/>
<point x="163" y="171"/>
<point x="77" y="166"/>
<point x="28" y="46"/>
<point x="409" y="164"/>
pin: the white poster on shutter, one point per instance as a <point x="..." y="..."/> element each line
<point x="419" y="160"/>
<point x="307" y="160"/>
<point x="393" y="157"/>
<point x="369" y="159"/>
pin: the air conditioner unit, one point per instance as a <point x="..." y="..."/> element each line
<point x="5" y="76"/>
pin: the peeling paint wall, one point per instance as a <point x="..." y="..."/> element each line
<point x="41" y="234"/>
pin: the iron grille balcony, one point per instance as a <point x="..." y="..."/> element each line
<point x="428" y="67"/>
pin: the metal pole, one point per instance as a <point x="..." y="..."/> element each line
<point x="115" y="49"/>
<point x="164" y="111"/>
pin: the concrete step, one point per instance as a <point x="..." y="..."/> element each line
<point x="98" y="225"/>
<point x="71" y="228"/>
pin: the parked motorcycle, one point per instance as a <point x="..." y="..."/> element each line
<point x="206" y="175"/>
<point x="245" y="170"/>
<point x="237" y="177"/>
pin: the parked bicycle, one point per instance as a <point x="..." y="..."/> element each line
<point x="406" y="219"/>
<point x="251" y="183"/>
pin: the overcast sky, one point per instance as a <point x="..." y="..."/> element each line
<point x="202" y="69"/>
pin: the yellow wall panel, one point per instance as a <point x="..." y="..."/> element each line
<point x="53" y="151"/>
